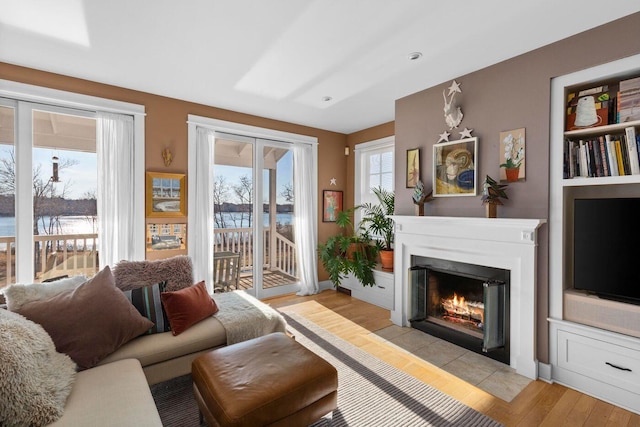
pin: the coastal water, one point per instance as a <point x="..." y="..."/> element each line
<point x="86" y="225"/>
<point x="69" y="225"/>
<point x="236" y="219"/>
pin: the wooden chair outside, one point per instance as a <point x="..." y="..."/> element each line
<point x="226" y="271"/>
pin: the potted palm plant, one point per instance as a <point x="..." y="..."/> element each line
<point x="379" y="225"/>
<point x="350" y="251"/>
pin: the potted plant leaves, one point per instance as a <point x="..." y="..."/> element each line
<point x="350" y="251"/>
<point x="379" y="225"/>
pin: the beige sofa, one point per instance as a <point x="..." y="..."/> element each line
<point x="116" y="392"/>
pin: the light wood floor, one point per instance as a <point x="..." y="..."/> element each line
<point x="539" y="404"/>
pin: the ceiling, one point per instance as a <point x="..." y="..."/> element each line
<point x="280" y="58"/>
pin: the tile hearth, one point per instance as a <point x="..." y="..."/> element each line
<point x="487" y="374"/>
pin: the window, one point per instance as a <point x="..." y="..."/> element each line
<point x="374" y="168"/>
<point x="48" y="182"/>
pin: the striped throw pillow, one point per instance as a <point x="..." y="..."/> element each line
<point x="148" y="302"/>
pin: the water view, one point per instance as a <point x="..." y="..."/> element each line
<point x="69" y="225"/>
<point x="85" y="225"/>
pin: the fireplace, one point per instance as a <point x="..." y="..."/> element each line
<point x="465" y="304"/>
<point x="506" y="244"/>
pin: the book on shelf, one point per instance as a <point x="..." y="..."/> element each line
<point x="630" y="136"/>
<point x="603" y="155"/>
<point x="611" y="153"/>
<point x="628" y="105"/>
<point x="594" y="153"/>
<point x="630" y="84"/>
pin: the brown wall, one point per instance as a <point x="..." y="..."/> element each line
<point x="166" y="126"/>
<point x="505" y="96"/>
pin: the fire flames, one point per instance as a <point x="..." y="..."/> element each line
<point x="458" y="309"/>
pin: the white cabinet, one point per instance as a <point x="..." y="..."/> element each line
<point x="381" y="294"/>
<point x="603" y="364"/>
<point x="590" y="358"/>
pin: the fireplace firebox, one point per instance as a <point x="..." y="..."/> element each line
<point x="465" y="304"/>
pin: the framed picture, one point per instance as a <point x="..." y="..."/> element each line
<point x="166" y="195"/>
<point x="162" y="237"/>
<point x="512" y="155"/>
<point x="454" y="168"/>
<point x="413" y="167"/>
<point x="331" y="205"/>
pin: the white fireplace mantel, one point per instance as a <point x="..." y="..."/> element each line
<point x="506" y="243"/>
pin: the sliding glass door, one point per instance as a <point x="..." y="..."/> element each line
<point x="253" y="212"/>
<point x="48" y="187"/>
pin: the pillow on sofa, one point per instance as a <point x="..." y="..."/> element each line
<point x="18" y="295"/>
<point x="90" y="322"/>
<point x="188" y="306"/>
<point x="35" y="380"/>
<point x="149" y="304"/>
<point x="177" y="271"/>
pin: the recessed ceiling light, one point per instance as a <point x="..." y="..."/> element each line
<point x="414" y="56"/>
<point x="326" y="98"/>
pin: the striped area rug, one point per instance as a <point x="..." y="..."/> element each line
<point x="370" y="391"/>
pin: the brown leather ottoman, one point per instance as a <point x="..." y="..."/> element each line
<point x="267" y="381"/>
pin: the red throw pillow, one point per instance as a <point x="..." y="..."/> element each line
<point x="188" y="306"/>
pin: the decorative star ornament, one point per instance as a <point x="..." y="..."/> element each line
<point x="333" y="182"/>
<point x="444" y="136"/>
<point x="455" y="87"/>
<point x="466" y="133"/>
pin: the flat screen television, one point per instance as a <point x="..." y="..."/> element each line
<point x="606" y="248"/>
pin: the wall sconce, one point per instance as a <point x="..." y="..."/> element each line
<point x="167" y="156"/>
<point x="54" y="176"/>
<point x="346" y="151"/>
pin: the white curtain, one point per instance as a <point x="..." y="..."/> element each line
<point x="203" y="225"/>
<point x="115" y="204"/>
<point x="305" y="219"/>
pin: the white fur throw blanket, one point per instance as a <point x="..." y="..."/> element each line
<point x="245" y="317"/>
<point x="177" y="271"/>
<point x="35" y="380"/>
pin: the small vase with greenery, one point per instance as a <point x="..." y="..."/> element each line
<point x="350" y="251"/>
<point x="379" y="225"/>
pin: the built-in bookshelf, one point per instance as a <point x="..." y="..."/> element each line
<point x="593" y="342"/>
<point x="601" y="137"/>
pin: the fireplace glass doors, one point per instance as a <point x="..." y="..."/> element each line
<point x="464" y="304"/>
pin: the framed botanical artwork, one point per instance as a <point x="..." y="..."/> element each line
<point x="512" y="153"/>
<point x="166" y="195"/>
<point x="454" y="168"/>
<point x="162" y="237"/>
<point x="331" y="205"/>
<point x="413" y="167"/>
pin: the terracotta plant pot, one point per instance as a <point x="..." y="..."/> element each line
<point x="512" y="174"/>
<point x="386" y="259"/>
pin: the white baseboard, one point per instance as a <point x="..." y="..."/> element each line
<point x="544" y="372"/>
<point x="325" y="284"/>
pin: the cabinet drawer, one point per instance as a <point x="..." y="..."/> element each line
<point x="603" y="361"/>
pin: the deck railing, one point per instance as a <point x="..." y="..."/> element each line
<point x="72" y="254"/>
<point x="282" y="257"/>
<point x="55" y="255"/>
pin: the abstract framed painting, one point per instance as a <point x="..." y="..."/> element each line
<point x="331" y="205"/>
